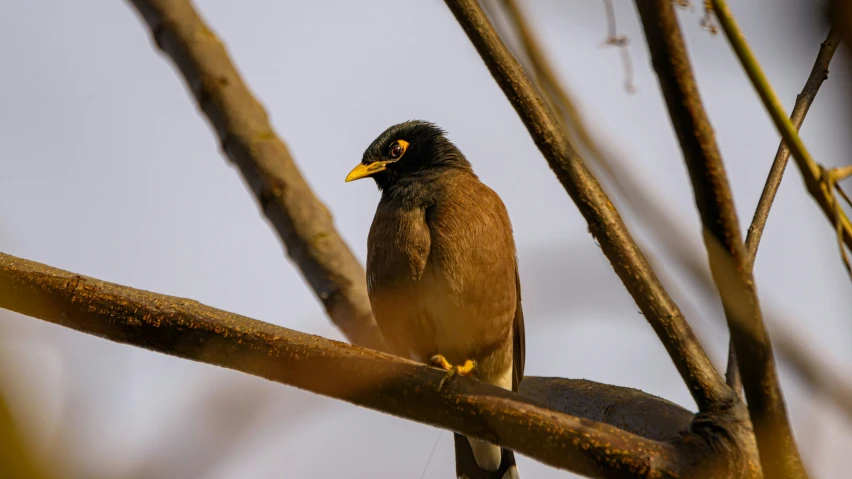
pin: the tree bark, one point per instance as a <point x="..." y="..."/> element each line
<point x="605" y="224"/>
<point x="188" y="329"/>
<point x="301" y="220"/>
<point x="729" y="264"/>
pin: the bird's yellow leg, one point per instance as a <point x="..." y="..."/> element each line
<point x="466" y="369"/>
<point x="440" y="361"/>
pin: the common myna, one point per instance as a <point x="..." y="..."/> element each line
<point x="441" y="268"/>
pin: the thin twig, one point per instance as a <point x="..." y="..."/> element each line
<point x="620" y="41"/>
<point x="16" y="456"/>
<point x="605" y="224"/>
<point x="843" y="195"/>
<point x="707" y="18"/>
<point x="819" y="73"/>
<point x="648" y="208"/>
<point x="188" y="329"/>
<point x="301" y="220"/>
<point x="729" y="265"/>
<point x="816" y="182"/>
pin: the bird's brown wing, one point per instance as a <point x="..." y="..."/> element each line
<point x="518" y="339"/>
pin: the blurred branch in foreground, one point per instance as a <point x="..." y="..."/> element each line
<point x="197" y="442"/>
<point x="372" y="379"/>
<point x="16" y="460"/>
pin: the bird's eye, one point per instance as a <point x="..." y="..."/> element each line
<point x="395" y="151"/>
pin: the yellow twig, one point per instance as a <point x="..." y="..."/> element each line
<point x="819" y="182"/>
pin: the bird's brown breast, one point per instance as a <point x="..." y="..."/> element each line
<point x="441" y="271"/>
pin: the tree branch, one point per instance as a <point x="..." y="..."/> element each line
<point x="654" y="216"/>
<point x="648" y="207"/>
<point x="605" y="224"/>
<point x="729" y="264"/>
<point x="630" y="409"/>
<point x="818" y="182"/>
<point x="301" y="220"/>
<point x="188" y="329"/>
<point x="819" y="73"/>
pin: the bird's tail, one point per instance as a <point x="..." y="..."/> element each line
<point x="468" y="468"/>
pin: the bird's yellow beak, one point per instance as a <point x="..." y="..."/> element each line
<point x="363" y="171"/>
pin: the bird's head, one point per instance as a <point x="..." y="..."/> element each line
<point x="414" y="150"/>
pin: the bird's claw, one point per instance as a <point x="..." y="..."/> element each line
<point x="441" y="362"/>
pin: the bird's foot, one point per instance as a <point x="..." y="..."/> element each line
<point x="440" y="361"/>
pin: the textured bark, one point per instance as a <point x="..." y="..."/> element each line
<point x="704" y="382"/>
<point x="729" y="264"/>
<point x="625" y="408"/>
<point x="301" y="220"/>
<point x="188" y="329"/>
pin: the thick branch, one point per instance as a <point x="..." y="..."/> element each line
<point x="301" y="220"/>
<point x="386" y="383"/>
<point x="729" y="265"/>
<point x="605" y="224"/>
<point x="625" y="408"/>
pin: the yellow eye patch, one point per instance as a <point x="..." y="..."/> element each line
<point x="403" y="144"/>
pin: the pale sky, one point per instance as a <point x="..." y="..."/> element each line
<point x="107" y="169"/>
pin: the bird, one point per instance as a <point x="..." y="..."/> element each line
<point x="442" y="270"/>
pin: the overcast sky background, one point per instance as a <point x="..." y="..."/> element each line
<point x="108" y="170"/>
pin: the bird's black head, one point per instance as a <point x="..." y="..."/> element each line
<point x="411" y="151"/>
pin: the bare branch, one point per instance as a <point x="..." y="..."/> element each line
<point x="732" y="371"/>
<point x="839" y="12"/>
<point x="652" y="212"/>
<point x="819" y="73"/>
<point x="729" y="265"/>
<point x="619" y="41"/>
<point x="630" y="409"/>
<point x="817" y="180"/>
<point x="188" y="329"/>
<point x="618" y="171"/>
<point x="301" y="220"/>
<point x="605" y="224"/>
